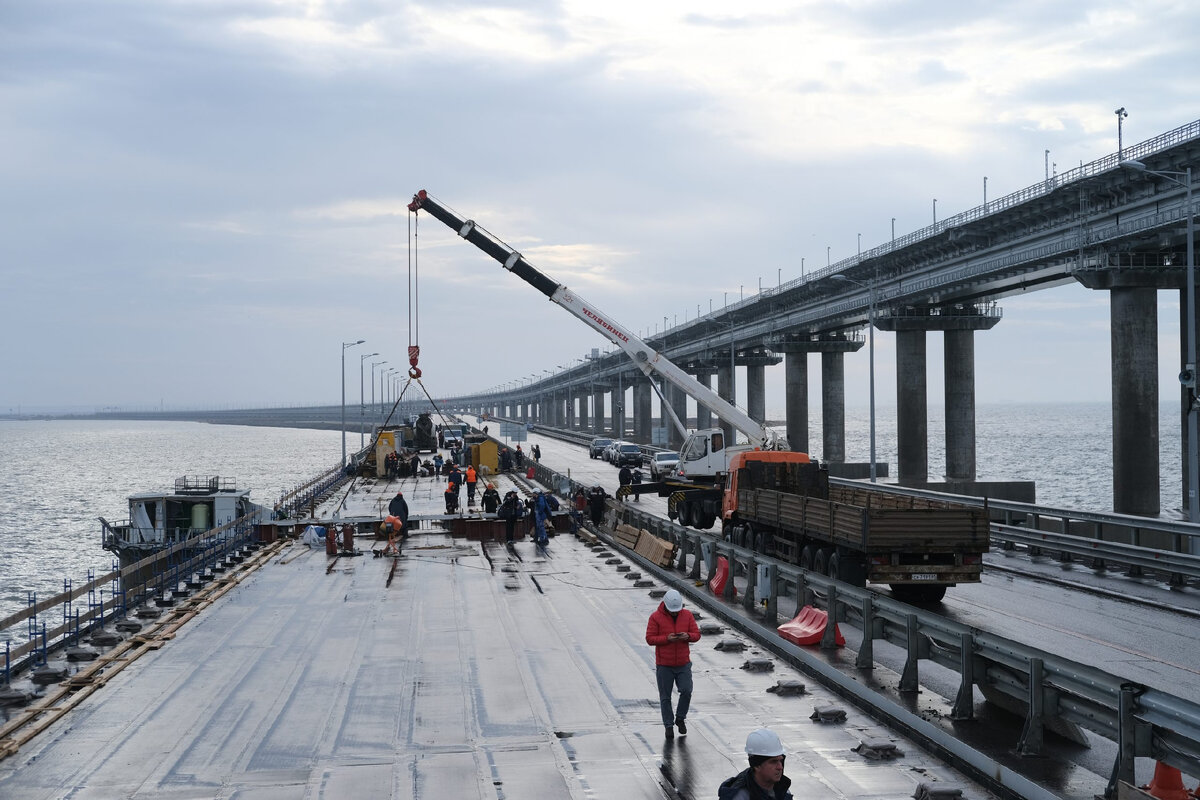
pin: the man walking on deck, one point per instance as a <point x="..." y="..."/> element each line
<point x="671" y="629"/>
<point x="471" y="479"/>
<point x="491" y="499"/>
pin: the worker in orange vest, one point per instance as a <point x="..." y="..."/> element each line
<point x="471" y="477"/>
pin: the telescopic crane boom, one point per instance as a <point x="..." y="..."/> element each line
<point x="644" y="357"/>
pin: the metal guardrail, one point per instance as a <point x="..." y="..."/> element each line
<point x="128" y="586"/>
<point x="1054" y="692"/>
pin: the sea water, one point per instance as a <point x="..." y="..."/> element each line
<point x="58" y="477"/>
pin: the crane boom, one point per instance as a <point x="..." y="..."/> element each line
<point x="644" y="357"/>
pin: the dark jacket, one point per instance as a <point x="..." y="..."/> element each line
<point x="661" y="623"/>
<point x="490" y="500"/>
<point x="399" y="508"/>
<point x="743" y="787"/>
<point x="512" y="507"/>
<point x="625" y="476"/>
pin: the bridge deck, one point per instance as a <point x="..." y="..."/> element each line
<point x="480" y="672"/>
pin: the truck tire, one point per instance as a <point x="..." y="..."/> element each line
<point x="806" y="556"/>
<point x="834" y="568"/>
<point x="821" y="561"/>
<point x="685" y="514"/>
<point x="705" y="520"/>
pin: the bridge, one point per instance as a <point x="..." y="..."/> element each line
<point x="1119" y="224"/>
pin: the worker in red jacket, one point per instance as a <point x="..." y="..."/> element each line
<point x="671" y="629"/>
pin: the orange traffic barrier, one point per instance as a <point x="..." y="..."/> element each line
<point x="809" y="627"/>
<point x="717" y="584"/>
<point x="1167" y="783"/>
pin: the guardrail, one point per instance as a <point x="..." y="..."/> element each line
<point x="126" y="587"/>
<point x="129" y="586"/>
<point x="1052" y="692"/>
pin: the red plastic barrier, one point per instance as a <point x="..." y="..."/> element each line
<point x="809" y="627"/>
<point x="529" y="473"/>
<point x="717" y="584"/>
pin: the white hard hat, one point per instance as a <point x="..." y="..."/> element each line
<point x="764" y="742"/>
<point x="673" y="600"/>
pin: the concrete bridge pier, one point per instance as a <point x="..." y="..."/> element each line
<point x="958" y="324"/>
<point x="726" y="389"/>
<point x="598" y="415"/>
<point x="796" y="350"/>
<point x="756" y="361"/>
<point x="1133" y="318"/>
<point x="642" y="421"/>
<point x="678" y="399"/>
<point x="1134" y="335"/>
<point x="704" y="417"/>
<point x="960" y="405"/>
<point x="581" y="423"/>
<point x="795" y="398"/>
<point x="912" y="408"/>
<point x="756" y="392"/>
<point x="833" y="407"/>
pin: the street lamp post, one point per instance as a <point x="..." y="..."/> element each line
<point x="1121" y="115"/>
<point x="362" y="409"/>
<point x="870" y="287"/>
<point x="1188" y="376"/>
<point x="373" y="365"/>
<point x="345" y="346"/>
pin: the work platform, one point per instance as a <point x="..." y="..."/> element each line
<point x="481" y="671"/>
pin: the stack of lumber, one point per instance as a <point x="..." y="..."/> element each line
<point x="627" y="536"/>
<point x="645" y="544"/>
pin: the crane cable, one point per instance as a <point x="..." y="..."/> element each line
<point x="414" y="298"/>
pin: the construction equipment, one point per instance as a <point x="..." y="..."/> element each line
<point x="705" y="486"/>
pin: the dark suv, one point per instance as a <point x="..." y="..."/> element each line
<point x="629" y="455"/>
<point x="596" y="448"/>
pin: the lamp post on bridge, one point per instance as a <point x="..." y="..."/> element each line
<point x="362" y="408"/>
<point x="1188" y="376"/>
<point x="1121" y="115"/>
<point x="870" y="287"/>
<point x="345" y="347"/>
<point x="375" y="364"/>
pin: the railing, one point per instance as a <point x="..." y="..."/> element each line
<point x="1056" y="692"/>
<point x="308" y="493"/>
<point x="127" y="587"/>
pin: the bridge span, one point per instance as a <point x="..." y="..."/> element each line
<point x="1109" y="225"/>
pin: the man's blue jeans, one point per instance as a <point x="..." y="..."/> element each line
<point x="680" y="678"/>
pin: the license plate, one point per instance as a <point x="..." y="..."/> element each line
<point x="924" y="576"/>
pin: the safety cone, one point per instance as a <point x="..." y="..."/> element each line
<point x="1167" y="783"/>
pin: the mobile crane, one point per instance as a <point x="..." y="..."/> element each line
<point x="769" y="498"/>
<point x="704" y="457"/>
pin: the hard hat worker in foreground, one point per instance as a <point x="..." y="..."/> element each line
<point x="671" y="629"/>
<point x="764" y="780"/>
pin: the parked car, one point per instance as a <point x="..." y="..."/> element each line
<point x="662" y="464"/>
<point x="610" y="452"/>
<point x="628" y="455"/>
<point x="451" y="439"/>
<point x="596" y="448"/>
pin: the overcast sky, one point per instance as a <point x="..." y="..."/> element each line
<point x="200" y="201"/>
